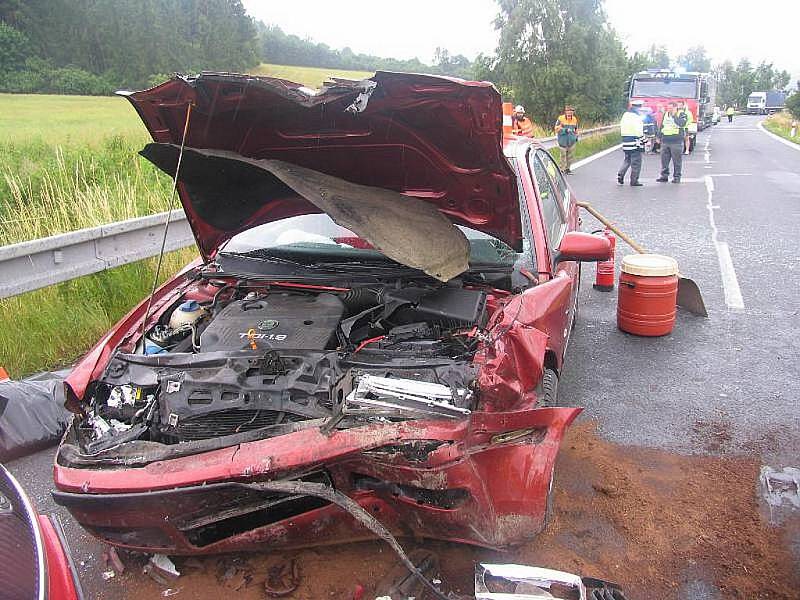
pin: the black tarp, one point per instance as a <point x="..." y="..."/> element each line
<point x="32" y="414"/>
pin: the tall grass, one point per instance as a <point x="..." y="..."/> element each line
<point x="781" y="124"/>
<point x="45" y="190"/>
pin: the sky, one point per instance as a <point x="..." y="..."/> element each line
<point x="408" y="28"/>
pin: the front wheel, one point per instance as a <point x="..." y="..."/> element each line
<point x="547" y="391"/>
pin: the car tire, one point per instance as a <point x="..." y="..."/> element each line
<point x="548" y="389"/>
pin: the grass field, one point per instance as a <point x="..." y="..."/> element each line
<point x="56" y="120"/>
<point x="69" y="162"/>
<point x="781" y="124"/>
<point x="310" y="76"/>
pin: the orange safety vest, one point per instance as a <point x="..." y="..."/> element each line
<point x="523" y="126"/>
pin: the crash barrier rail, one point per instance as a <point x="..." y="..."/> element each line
<point x="35" y="264"/>
<point x="552" y="142"/>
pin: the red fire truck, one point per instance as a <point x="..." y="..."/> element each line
<point x="656" y="88"/>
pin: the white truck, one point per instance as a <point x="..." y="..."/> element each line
<point x="763" y="103"/>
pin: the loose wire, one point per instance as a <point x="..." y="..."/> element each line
<point x="169" y="218"/>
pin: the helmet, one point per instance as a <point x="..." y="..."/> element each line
<point x="637" y="103"/>
<point x="519" y="109"/>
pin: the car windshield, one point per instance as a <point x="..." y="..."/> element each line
<point x="664" y="88"/>
<point x="315" y="238"/>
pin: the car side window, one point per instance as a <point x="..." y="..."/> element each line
<point x="554" y="222"/>
<point x="558" y="179"/>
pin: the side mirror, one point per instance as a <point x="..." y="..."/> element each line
<point x="585" y="247"/>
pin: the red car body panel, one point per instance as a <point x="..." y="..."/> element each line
<point x="61" y="578"/>
<point x="483" y="479"/>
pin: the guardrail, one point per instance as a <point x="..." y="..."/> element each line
<point x="35" y="264"/>
<point x="551" y="142"/>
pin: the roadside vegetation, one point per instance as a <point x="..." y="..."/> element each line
<point x="781" y="123"/>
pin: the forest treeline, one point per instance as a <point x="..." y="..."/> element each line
<point x="549" y="51"/>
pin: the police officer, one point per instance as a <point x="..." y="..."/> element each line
<point x="672" y="126"/>
<point x="632" y="130"/>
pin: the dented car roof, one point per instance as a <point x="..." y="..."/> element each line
<point x="434" y="138"/>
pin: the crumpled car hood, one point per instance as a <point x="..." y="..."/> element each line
<point x="434" y="138"/>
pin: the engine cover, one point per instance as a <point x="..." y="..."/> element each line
<point x="279" y="320"/>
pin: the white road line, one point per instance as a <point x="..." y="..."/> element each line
<point x="589" y="159"/>
<point x="778" y="138"/>
<point x="730" y="283"/>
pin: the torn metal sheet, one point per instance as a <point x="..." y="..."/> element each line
<point x="389" y="396"/>
<point x="523" y="582"/>
<point x="360" y="103"/>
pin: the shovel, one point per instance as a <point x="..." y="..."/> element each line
<point x="689" y="296"/>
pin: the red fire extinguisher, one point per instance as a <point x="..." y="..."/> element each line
<point x="604" y="280"/>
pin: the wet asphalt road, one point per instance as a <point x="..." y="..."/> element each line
<point x="726" y="384"/>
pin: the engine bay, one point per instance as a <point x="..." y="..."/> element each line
<point x="246" y="359"/>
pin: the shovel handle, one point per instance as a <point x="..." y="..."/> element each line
<point x="599" y="216"/>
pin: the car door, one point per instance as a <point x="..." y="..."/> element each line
<point x="570" y="212"/>
<point x="557" y="215"/>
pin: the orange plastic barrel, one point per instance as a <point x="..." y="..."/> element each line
<point x="648" y="292"/>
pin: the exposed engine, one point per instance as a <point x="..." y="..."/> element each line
<point x="265" y="361"/>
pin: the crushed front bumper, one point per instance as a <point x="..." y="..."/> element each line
<point x="483" y="480"/>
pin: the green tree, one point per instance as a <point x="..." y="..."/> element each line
<point x="695" y="59"/>
<point x="553" y="52"/>
<point x="14" y="48"/>
<point x="793" y="105"/>
<point x="657" y="57"/>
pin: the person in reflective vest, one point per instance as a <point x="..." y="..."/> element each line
<point x="567" y="133"/>
<point x="520" y="124"/>
<point x="631" y="127"/>
<point x="672" y="126"/>
<point x="690" y="130"/>
<point x="730" y="112"/>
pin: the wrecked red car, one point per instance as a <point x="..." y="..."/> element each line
<point x="379" y="318"/>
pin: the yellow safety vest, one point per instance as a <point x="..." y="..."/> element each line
<point x="668" y="126"/>
<point x="631" y="125"/>
<point x="691" y="124"/>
